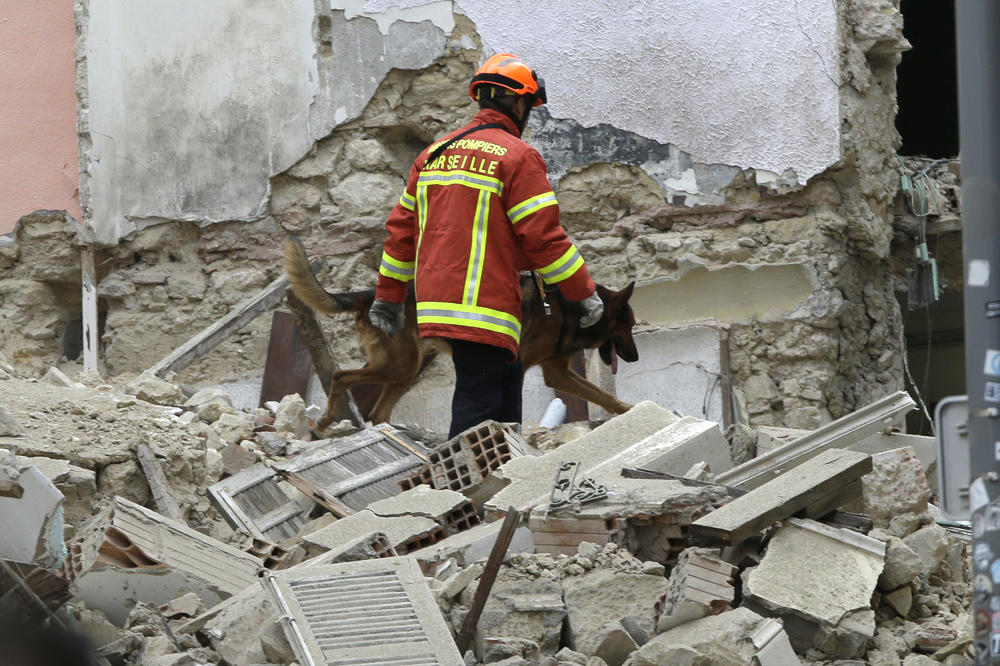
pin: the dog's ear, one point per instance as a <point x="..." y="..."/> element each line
<point x="606" y="350"/>
<point x="626" y="293"/>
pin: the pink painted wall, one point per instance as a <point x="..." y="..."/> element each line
<point x="38" y="156"/>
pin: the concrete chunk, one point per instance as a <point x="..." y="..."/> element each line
<point x="930" y="544"/>
<point x="896" y="484"/>
<point x="601" y="594"/>
<point x="529" y="609"/>
<point x="842" y="568"/>
<point x="614" y="644"/>
<point x="9" y="425"/>
<point x="31" y="516"/>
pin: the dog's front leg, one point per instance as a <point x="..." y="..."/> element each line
<point x="559" y="376"/>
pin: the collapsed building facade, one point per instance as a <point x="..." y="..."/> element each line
<point x="750" y="194"/>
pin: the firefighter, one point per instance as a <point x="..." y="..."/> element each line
<point x="478" y="209"/>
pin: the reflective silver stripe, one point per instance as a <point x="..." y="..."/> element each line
<point x="408" y="202"/>
<point x="565" y="267"/>
<point x="408" y="272"/>
<point x="531" y="205"/>
<point x="478" y="248"/>
<point x="441" y="178"/>
<point x="470" y="316"/>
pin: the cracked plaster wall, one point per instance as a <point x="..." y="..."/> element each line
<point x="637" y="207"/>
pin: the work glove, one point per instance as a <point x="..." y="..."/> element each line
<point x="593" y="308"/>
<point x="387" y="317"/>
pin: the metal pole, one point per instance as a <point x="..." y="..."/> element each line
<point x="978" y="25"/>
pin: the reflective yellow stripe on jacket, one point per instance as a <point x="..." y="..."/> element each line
<point x="469" y="315"/>
<point x="563" y="267"/>
<point x="529" y="206"/>
<point x="394" y="268"/>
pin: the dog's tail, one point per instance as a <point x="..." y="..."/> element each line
<point x="311" y="292"/>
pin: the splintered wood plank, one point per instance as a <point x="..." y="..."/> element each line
<point x="158" y="485"/>
<point x="782" y="497"/>
<point x="286" y="369"/>
<point x="237" y="318"/>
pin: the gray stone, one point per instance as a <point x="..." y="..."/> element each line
<point x="233" y="428"/>
<point x="234" y="631"/>
<point x="930" y="543"/>
<point x="601" y="594"/>
<point x="290" y="416"/>
<point x="530" y="609"/>
<point x="209" y="404"/>
<point x="720" y="640"/>
<point x="571" y="656"/>
<point x="900" y="600"/>
<point x="56" y="377"/>
<point x="902" y="565"/>
<point x="453" y="586"/>
<point x="274" y="644"/>
<point x="152" y="389"/>
<point x="9" y="425"/>
<point x="896" y="485"/>
<point x="920" y="660"/>
<point x="614" y="644"/>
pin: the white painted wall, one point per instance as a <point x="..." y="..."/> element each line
<point x="747" y="83"/>
<point x="193" y="106"/>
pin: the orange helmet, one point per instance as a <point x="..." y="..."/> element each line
<point x="508" y="71"/>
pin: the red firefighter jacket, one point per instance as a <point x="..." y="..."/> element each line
<point x="465" y="227"/>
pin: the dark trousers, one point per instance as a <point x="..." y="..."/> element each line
<point x="487" y="385"/>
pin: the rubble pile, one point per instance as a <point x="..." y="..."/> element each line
<point x="170" y="528"/>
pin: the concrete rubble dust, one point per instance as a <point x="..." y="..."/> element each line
<point x="371" y="544"/>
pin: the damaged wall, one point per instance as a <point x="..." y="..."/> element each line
<point x="38" y="117"/>
<point x="684" y="201"/>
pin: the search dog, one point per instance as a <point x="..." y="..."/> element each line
<point x="547" y="339"/>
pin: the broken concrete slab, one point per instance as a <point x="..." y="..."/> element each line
<point x="773" y="646"/>
<point x="474" y="545"/>
<point x="842" y="568"/>
<point x="531" y="477"/>
<point x="405" y="533"/>
<point x="57" y="377"/>
<point x="355" y="611"/>
<point x="453" y="510"/>
<point x="815" y="479"/>
<point x="367" y="547"/>
<point x="31" y="515"/>
<point x="600" y="594"/>
<point x="674" y="449"/>
<point x="716" y="640"/>
<point x="233" y="627"/>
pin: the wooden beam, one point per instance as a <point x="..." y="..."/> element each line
<point x="496" y="558"/>
<point x="158" y="486"/>
<point x="286" y="369"/>
<point x="781" y="497"/>
<point x="237" y="318"/>
<point x="322" y="359"/>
